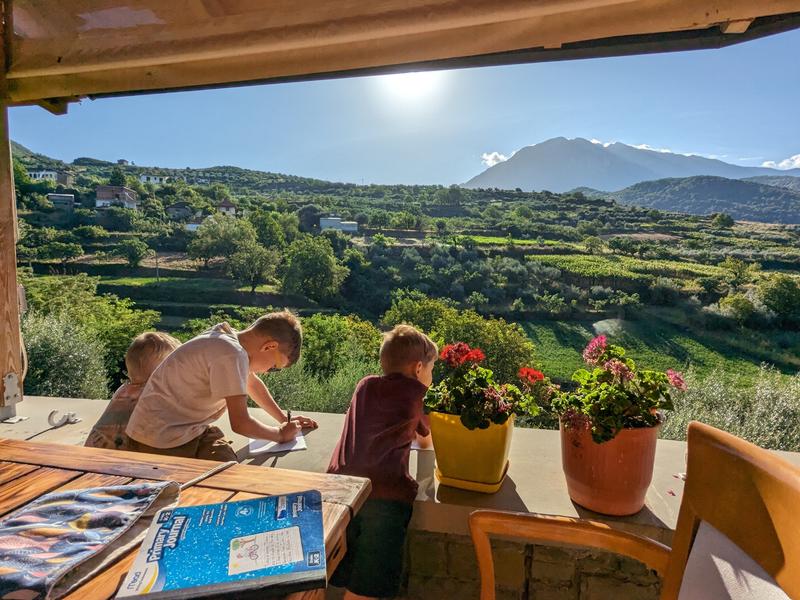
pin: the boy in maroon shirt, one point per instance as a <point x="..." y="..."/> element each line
<point x="385" y="416"/>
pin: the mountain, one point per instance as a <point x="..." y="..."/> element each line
<point x="703" y="195"/>
<point x="792" y="183"/>
<point x="560" y="165"/>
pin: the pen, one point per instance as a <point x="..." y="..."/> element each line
<point x="288" y="415"/>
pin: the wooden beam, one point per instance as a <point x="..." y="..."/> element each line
<point x="10" y="339"/>
<point x="736" y="26"/>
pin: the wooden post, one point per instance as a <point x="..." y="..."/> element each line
<point x="10" y="339"/>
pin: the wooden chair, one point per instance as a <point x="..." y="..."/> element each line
<point x="738" y="531"/>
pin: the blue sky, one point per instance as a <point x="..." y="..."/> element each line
<point x="740" y="104"/>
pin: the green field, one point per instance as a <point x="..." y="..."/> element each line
<point x="183" y="285"/>
<point x="624" y="267"/>
<point x="661" y="339"/>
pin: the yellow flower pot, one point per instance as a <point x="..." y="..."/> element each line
<point x="470" y="459"/>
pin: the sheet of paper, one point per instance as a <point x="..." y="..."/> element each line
<point x="415" y="446"/>
<point x="265" y="447"/>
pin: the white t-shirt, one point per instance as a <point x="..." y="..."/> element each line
<point x="187" y="391"/>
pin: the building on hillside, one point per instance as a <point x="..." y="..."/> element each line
<point x="123" y="162"/>
<point x="193" y="224"/>
<point x="116" y="195"/>
<point x="65" y="202"/>
<point x="337" y="224"/>
<point x="181" y="210"/>
<point x="60" y="177"/>
<point x="155" y="179"/>
<point x="227" y="207"/>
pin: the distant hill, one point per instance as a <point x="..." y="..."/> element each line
<point x="743" y="200"/>
<point x="792" y="183"/>
<point x="559" y="165"/>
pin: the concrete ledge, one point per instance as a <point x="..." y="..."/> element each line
<point x="535" y="482"/>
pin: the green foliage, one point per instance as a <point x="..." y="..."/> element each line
<point x="781" y="294"/>
<point x="90" y="232"/>
<point x="505" y="345"/>
<point x="329" y="341"/>
<point x="62" y="251"/>
<point x="117" y="177"/>
<point x="112" y="321"/>
<point x="737" y="306"/>
<point x="268" y="229"/>
<point x="312" y="270"/>
<point x="252" y="264"/>
<point x="219" y="236"/>
<point x="764" y="410"/>
<point x="615" y="394"/>
<point x="64" y="359"/>
<point x="722" y="220"/>
<point x="133" y="250"/>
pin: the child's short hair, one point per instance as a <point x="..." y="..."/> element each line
<point x="403" y="346"/>
<point x="284" y="328"/>
<point x="146" y="352"/>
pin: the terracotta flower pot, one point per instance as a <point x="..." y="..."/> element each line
<point x="470" y="459"/>
<point x="610" y="478"/>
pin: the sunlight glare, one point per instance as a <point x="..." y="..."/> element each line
<point x="412" y="86"/>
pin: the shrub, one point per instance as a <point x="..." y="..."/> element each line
<point x="330" y="341"/>
<point x="765" y="411"/>
<point x="781" y="294"/>
<point x="64" y="360"/>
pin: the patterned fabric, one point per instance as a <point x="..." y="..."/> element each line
<point x="59" y="540"/>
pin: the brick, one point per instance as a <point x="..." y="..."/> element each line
<point x="553" y="572"/>
<point x="557" y="554"/>
<point x="509" y="562"/>
<point x="461" y="561"/>
<point x="441" y="588"/>
<point x="540" y="591"/>
<point x="600" y="563"/>
<point x="427" y="555"/>
<point x="610" y="588"/>
<point x="637" y="572"/>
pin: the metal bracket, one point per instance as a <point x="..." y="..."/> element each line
<point x="12" y="394"/>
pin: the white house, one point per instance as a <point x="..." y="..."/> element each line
<point x="194" y="224"/>
<point x="42" y="175"/>
<point x="156" y="179"/>
<point x="226" y="207"/>
<point x="338" y="224"/>
<point x="116" y="195"/>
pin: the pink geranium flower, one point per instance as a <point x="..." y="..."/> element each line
<point x="595" y="349"/>
<point x="619" y="369"/>
<point x="676" y="379"/>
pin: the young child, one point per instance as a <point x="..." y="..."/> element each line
<point x="144" y="354"/>
<point x="212" y="373"/>
<point x="384" y="418"/>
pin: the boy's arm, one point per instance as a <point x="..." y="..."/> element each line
<point x="243" y="424"/>
<point x="260" y="394"/>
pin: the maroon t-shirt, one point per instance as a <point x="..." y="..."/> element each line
<point x="384" y="417"/>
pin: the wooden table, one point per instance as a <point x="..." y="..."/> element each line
<point x="30" y="469"/>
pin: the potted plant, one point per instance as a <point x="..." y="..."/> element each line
<point x="472" y="418"/>
<point x="609" y="426"/>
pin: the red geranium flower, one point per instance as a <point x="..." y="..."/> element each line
<point x="456" y="355"/>
<point x="530" y="375"/>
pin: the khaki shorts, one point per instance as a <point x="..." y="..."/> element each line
<point x="209" y="445"/>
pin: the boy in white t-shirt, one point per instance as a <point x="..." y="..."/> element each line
<point x="212" y="373"/>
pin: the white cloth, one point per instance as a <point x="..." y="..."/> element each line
<point x="719" y="570"/>
<point x="187" y="391"/>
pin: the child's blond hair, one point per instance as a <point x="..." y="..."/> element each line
<point x="282" y="327"/>
<point x="405" y="346"/>
<point x="146" y="352"/>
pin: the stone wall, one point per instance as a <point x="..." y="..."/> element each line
<point x="443" y="566"/>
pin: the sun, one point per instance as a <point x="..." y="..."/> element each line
<point x="412" y="86"/>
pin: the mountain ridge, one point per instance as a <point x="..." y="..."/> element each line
<point x="560" y="164"/>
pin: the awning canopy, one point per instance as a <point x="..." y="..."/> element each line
<point x="62" y="50"/>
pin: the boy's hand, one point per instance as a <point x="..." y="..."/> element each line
<point x="288" y="431"/>
<point x="304" y="422"/>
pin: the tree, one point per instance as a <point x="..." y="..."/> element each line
<point x="722" y="220"/>
<point x="90" y="232"/>
<point x="738" y="306"/>
<point x="312" y="270"/>
<point x="477" y="301"/>
<point x="339" y="241"/>
<point x="309" y="217"/>
<point x="220" y="235"/>
<point x="253" y="264"/>
<point x="133" y="250"/>
<point x="594" y="245"/>
<point x="781" y="294"/>
<point x="117" y="177"/>
<point x="63" y="251"/>
<point x="738" y="271"/>
<point x="268" y="230"/>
